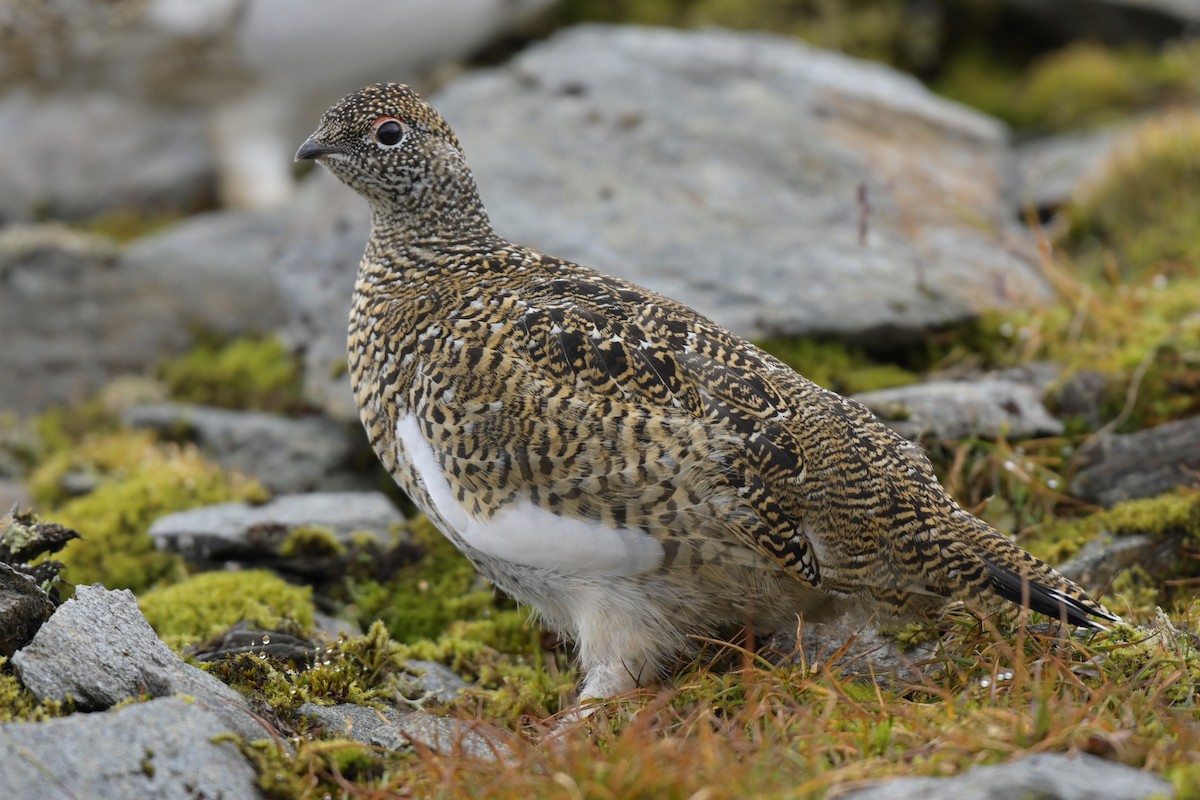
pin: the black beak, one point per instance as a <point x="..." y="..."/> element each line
<point x="313" y="149"/>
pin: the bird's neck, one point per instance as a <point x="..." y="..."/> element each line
<point x="439" y="208"/>
<point x="422" y="236"/>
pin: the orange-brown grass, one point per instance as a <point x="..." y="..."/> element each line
<point x="803" y="730"/>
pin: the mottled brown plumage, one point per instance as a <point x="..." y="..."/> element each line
<point x="630" y="469"/>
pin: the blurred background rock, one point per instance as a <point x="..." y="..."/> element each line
<point x="145" y="102"/>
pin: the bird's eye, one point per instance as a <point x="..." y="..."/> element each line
<point x="388" y="131"/>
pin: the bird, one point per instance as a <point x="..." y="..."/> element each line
<point x="635" y="473"/>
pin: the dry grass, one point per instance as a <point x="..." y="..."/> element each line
<point x="758" y="730"/>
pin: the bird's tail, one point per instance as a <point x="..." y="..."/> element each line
<point x="1011" y="573"/>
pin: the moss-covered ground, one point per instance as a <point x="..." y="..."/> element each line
<point x="1125" y="260"/>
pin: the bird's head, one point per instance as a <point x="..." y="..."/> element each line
<point x="394" y="149"/>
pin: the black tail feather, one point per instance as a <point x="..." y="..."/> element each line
<point x="1047" y="600"/>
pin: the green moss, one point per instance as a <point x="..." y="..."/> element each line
<point x="245" y="373"/>
<point x="1081" y="85"/>
<point x="312" y="542"/>
<point x="20" y="446"/>
<point x="914" y="634"/>
<point x="423" y="598"/>
<point x="373" y="670"/>
<point x="837" y="366"/>
<point x="97" y="457"/>
<point x="17" y="704"/>
<point x="1160" y="653"/>
<point x="1143" y="208"/>
<point x="127" y="224"/>
<point x="357" y="670"/>
<point x="1060" y="540"/>
<point x="62" y="427"/>
<point x="978" y="78"/>
<point x="882" y="30"/>
<point x="320" y="769"/>
<point x="136" y="481"/>
<point x="204" y="605"/>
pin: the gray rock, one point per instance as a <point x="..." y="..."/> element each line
<point x="87" y="153"/>
<point x="1047" y="776"/>
<point x="1053" y="169"/>
<point x="950" y="410"/>
<point x="14" y="493"/>
<point x="400" y="730"/>
<point x="259" y="70"/>
<point x="315" y="273"/>
<point x="437" y="679"/>
<point x="69" y="318"/>
<point x="855" y="650"/>
<point x="1106" y="556"/>
<point x="243" y="638"/>
<point x="327" y="628"/>
<point x="164" y="748"/>
<point x="75" y="312"/>
<point x="287" y="454"/>
<point x="1121" y="467"/>
<point x="1081" y="395"/>
<point x="237" y="531"/>
<point x="724" y="170"/>
<point x="98" y="649"/>
<point x="211" y="270"/>
<point x="23" y="609"/>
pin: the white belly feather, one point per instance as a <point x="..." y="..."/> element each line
<point x="525" y="534"/>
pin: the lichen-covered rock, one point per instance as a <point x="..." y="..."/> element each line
<point x="24" y="606"/>
<point x="163" y="748"/>
<point x="24" y="537"/>
<point x="27" y="593"/>
<point x="98" y="649"/>
<point x="1052" y="776"/>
